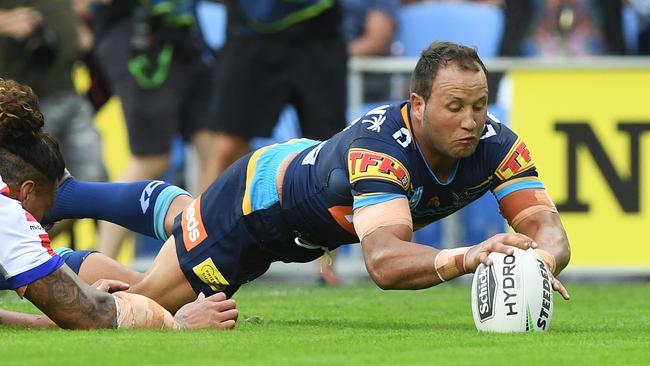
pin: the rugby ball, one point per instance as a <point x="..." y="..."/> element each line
<point x="514" y="294"/>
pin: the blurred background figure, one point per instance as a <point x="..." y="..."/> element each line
<point x="278" y="53"/>
<point x="150" y="53"/>
<point x="368" y="27"/>
<point x="577" y="28"/>
<point x="39" y="45"/>
<point x="637" y="24"/>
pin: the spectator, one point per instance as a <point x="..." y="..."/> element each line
<point x="278" y="53"/>
<point x="151" y="59"/>
<point x="368" y="28"/>
<point x="39" y="47"/>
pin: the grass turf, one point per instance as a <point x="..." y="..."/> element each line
<point x="361" y="325"/>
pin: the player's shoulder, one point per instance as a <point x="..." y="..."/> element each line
<point x="15" y="218"/>
<point x="378" y="120"/>
<point x="384" y="126"/>
<point x="497" y="134"/>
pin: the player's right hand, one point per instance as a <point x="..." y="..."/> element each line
<point x="110" y="286"/>
<point x="501" y="243"/>
<point x="215" y="311"/>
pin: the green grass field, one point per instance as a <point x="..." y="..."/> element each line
<point x="361" y="325"/>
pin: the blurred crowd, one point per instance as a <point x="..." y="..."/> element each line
<point x="173" y="83"/>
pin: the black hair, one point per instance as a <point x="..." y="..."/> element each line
<point x="26" y="151"/>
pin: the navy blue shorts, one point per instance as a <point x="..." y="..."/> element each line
<point x="219" y="246"/>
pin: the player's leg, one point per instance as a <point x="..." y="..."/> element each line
<point x="146" y="207"/>
<point x="197" y="126"/>
<point x="247" y="63"/>
<point x="110" y="236"/>
<point x="92" y="266"/>
<point x="321" y="110"/>
<point x="165" y="282"/>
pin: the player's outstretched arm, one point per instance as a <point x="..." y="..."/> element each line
<point x="553" y="245"/>
<point x="546" y="229"/>
<point x="533" y="213"/>
<point x="70" y="303"/>
<point x="397" y="264"/>
<point x="394" y="262"/>
<point x="16" y="319"/>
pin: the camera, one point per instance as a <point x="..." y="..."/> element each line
<point x="42" y="47"/>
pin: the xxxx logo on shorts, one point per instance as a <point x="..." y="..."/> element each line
<point x="210" y="275"/>
<point x="517" y="161"/>
<point x="193" y="230"/>
<point x="367" y="164"/>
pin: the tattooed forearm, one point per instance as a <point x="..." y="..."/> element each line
<point x="70" y="303"/>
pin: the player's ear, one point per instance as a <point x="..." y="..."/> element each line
<point x="417" y="106"/>
<point x="27" y="191"/>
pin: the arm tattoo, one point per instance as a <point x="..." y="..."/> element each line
<point x="70" y="302"/>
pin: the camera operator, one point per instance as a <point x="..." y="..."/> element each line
<point x="39" y="45"/>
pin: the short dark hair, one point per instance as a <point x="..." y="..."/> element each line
<point x="26" y="151"/>
<point x="442" y="53"/>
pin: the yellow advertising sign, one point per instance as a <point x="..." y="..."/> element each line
<point x="589" y="134"/>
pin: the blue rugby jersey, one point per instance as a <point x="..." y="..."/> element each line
<point x="376" y="159"/>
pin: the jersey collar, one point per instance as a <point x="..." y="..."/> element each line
<point x="4" y="188"/>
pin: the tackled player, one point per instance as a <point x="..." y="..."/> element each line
<point x="30" y="167"/>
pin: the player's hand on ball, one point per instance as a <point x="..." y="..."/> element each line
<point x="110" y="286"/>
<point x="215" y="311"/>
<point x="559" y="288"/>
<point x="500" y="243"/>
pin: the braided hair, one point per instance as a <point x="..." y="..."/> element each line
<point x="26" y="151"/>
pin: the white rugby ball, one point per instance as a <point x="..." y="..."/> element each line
<point x="514" y="294"/>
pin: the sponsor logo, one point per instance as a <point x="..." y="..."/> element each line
<point x="210" y="275"/>
<point x="193" y="230"/>
<point x="510" y="299"/>
<point x="146" y="194"/>
<point x="375" y="121"/>
<point x="375" y="118"/>
<point x="517" y="161"/>
<point x="545" y="310"/>
<point x="485" y="291"/>
<point x="367" y="164"/>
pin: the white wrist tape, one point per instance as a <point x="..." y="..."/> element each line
<point x="547" y="258"/>
<point x="137" y="311"/>
<point x="450" y="263"/>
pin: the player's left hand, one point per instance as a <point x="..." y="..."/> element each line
<point x="559" y="288"/>
<point x="216" y="311"/>
<point x="110" y="286"/>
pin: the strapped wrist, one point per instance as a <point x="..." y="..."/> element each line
<point x="450" y="263"/>
<point x="137" y="311"/>
<point x="547" y="258"/>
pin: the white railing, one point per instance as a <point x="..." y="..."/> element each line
<point x="396" y="65"/>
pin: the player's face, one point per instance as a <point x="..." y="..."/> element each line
<point x="36" y="201"/>
<point x="454" y="116"/>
